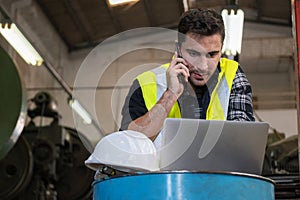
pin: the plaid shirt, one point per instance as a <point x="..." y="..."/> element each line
<point x="240" y="100"/>
<point x="239" y="109"/>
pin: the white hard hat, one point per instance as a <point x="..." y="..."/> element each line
<point x="125" y="151"/>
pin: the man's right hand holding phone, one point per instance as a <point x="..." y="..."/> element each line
<point x="177" y="68"/>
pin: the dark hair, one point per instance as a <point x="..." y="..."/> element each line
<point x="200" y="21"/>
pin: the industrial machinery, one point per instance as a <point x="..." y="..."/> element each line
<point x="47" y="162"/>
<point x="281" y="164"/>
<point x="12" y="104"/>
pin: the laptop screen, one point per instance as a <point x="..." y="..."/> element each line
<point x="211" y="145"/>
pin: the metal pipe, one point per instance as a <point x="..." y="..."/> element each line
<point x="59" y="79"/>
<point x="68" y="90"/>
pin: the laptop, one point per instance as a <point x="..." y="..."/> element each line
<point x="212" y="145"/>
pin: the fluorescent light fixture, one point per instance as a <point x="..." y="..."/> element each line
<point x="117" y="2"/>
<point x="17" y="40"/>
<point x="234" y="31"/>
<point x="76" y="106"/>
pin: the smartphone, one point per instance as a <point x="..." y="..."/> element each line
<point x="178" y="50"/>
<point x="181" y="76"/>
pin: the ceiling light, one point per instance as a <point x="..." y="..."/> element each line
<point x="117" y="2"/>
<point x="77" y="107"/>
<point x="233" y="21"/>
<point x="17" y="40"/>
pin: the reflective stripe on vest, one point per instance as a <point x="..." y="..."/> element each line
<point x="153" y="84"/>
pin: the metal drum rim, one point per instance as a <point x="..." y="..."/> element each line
<point x="242" y="174"/>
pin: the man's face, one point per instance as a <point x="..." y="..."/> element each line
<point x="202" y="54"/>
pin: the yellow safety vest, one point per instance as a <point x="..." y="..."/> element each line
<point x="153" y="84"/>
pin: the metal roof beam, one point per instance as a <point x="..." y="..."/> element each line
<point x="79" y="24"/>
<point x="114" y="18"/>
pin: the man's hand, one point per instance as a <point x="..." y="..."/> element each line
<point x="177" y="67"/>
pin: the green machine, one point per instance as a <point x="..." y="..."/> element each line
<point x="13" y="106"/>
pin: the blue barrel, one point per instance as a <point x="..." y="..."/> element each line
<point x="185" y="185"/>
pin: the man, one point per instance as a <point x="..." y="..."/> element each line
<point x="211" y="88"/>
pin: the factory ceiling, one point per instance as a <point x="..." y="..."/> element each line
<point x="83" y="24"/>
